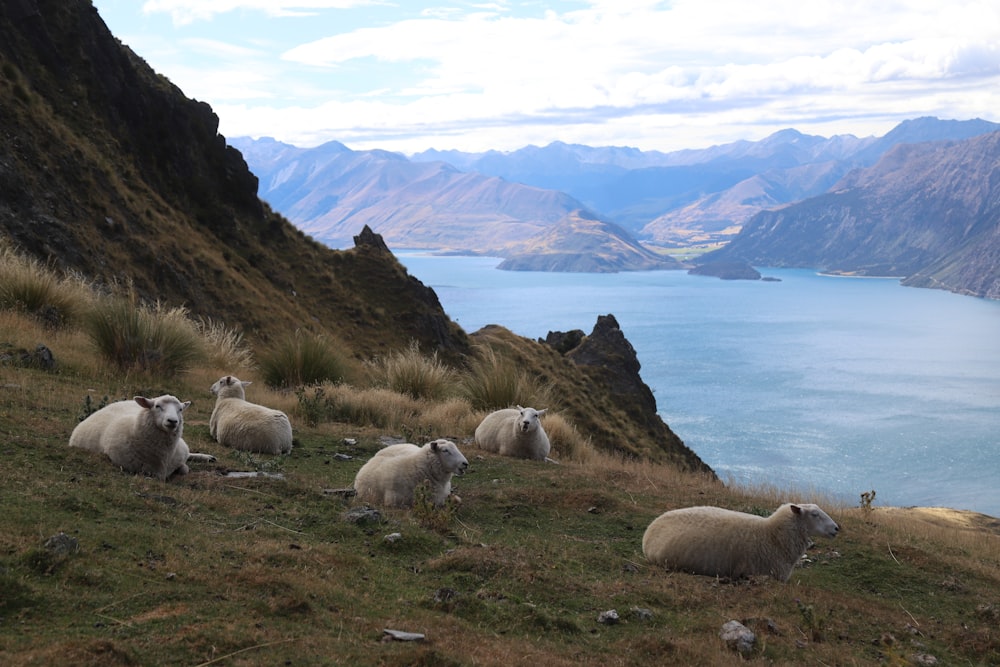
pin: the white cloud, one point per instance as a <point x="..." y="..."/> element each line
<point x="184" y="12"/>
<point x="653" y="74"/>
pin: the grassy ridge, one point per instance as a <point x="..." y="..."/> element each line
<point x="210" y="569"/>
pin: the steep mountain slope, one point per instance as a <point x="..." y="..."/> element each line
<point x="110" y="171"/>
<point x="921" y="130"/>
<point x="927" y="212"/>
<point x="584" y="244"/>
<point x="718" y="216"/>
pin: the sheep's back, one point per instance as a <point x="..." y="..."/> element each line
<point x="102" y="429"/>
<point x="250" y="427"/>
<point x="704" y="540"/>
<point x="496" y="429"/>
<point x="382" y="479"/>
<point x="391" y="476"/>
<point x="399" y="449"/>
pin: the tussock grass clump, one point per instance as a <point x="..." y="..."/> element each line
<point x="415" y="374"/>
<point x="493" y="382"/>
<point x="379" y="407"/>
<point x="418" y="420"/>
<point x="567" y="443"/>
<point x="451" y="418"/>
<point x="28" y="286"/>
<point x="224" y="345"/>
<point x="134" y="336"/>
<point x="300" y="360"/>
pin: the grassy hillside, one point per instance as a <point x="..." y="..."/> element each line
<point x="112" y="177"/>
<point x="211" y="569"/>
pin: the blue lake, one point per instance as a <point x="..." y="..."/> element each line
<point x="816" y="383"/>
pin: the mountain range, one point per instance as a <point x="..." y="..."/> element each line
<point x="928" y="213"/>
<point x="566" y="207"/>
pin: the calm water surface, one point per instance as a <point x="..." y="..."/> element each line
<point x="838" y="385"/>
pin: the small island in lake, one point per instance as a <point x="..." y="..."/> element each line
<point x="728" y="270"/>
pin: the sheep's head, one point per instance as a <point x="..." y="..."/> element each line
<point x="452" y="460"/>
<point x="528" y="421"/>
<point x="815" y="520"/>
<point x="229" y="386"/>
<point x="167" y="412"/>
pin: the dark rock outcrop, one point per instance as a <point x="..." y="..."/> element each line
<point x="612" y="364"/>
<point x="564" y="341"/>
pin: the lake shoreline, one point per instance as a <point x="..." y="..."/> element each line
<point x="840" y="386"/>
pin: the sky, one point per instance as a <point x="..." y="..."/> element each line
<point x="503" y="74"/>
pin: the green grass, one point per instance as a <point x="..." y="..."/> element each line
<point x="302" y="358"/>
<point x="133" y="336"/>
<point x="269" y="571"/>
<point x="415" y="374"/>
<point x="493" y="382"/>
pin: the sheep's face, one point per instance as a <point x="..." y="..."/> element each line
<point x="452" y="460"/>
<point x="816" y="520"/>
<point x="528" y="419"/>
<point x="167" y="411"/>
<point x="229" y="386"/>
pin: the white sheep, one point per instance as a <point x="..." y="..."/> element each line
<point x="393" y="474"/>
<point x="721" y="542"/>
<point x="140" y="436"/>
<point x="514" y="432"/>
<point x="246" y="426"/>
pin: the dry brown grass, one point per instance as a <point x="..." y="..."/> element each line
<point x="567" y="442"/>
<point x="26" y="285"/>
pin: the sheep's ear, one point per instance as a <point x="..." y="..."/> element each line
<point x="143" y="401"/>
<point x="796" y="509"/>
<point x="245" y="382"/>
<point x="541" y="412"/>
<point x="520" y="408"/>
<point x="185" y="405"/>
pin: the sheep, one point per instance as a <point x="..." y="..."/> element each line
<point x="246" y="426"/>
<point x="140" y="436"/>
<point x="392" y="475"/>
<point x="721" y="542"/>
<point x="514" y="432"/>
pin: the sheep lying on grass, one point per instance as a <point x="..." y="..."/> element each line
<point x="721" y="542"/>
<point x="140" y="436"/>
<point x="514" y="432"/>
<point x="246" y="426"/>
<point x="391" y="477"/>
